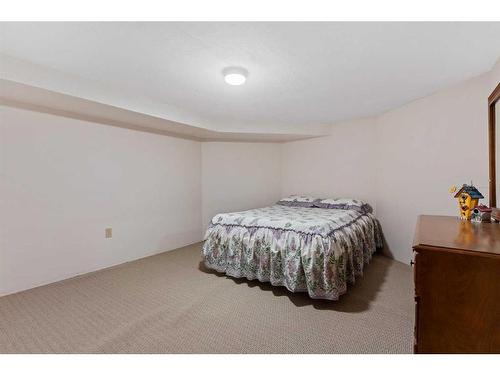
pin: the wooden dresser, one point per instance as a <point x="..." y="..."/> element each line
<point x="457" y="286"/>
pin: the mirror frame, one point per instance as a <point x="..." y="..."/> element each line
<point x="492" y="100"/>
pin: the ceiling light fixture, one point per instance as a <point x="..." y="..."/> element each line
<point x="235" y="76"/>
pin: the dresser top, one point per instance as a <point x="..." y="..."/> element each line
<point x="452" y="233"/>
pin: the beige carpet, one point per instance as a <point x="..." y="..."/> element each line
<point x="168" y="303"/>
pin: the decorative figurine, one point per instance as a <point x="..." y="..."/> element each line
<point x="481" y="214"/>
<point x="468" y="197"/>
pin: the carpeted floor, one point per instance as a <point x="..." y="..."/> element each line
<point x="169" y="303"/>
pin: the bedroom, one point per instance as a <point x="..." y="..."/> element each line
<point x="248" y="187"/>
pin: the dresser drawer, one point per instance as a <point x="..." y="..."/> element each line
<point x="457" y="286"/>
<point x="457" y="303"/>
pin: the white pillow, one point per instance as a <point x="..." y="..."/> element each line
<point x="344" y="204"/>
<point x="298" y="201"/>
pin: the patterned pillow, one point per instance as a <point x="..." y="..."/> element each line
<point x="344" y="204"/>
<point x="298" y="201"/>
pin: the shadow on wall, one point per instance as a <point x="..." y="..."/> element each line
<point x="386" y="249"/>
<point x="357" y="299"/>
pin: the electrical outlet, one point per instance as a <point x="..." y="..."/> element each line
<point x="108" y="233"/>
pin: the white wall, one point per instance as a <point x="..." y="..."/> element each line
<point x="341" y="164"/>
<point x="62" y="181"/>
<point x="239" y="176"/>
<point x="425" y="147"/>
<point x="403" y="161"/>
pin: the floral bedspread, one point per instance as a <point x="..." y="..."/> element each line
<point x="316" y="250"/>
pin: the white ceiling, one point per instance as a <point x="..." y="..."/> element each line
<point x="301" y="75"/>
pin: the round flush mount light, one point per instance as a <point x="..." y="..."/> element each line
<point x="235" y="76"/>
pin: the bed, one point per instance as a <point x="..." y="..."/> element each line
<point x="301" y="243"/>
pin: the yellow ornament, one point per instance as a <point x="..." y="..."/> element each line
<point x="468" y="197"/>
<point x="453" y="189"/>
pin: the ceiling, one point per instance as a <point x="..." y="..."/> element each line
<point x="302" y="76"/>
